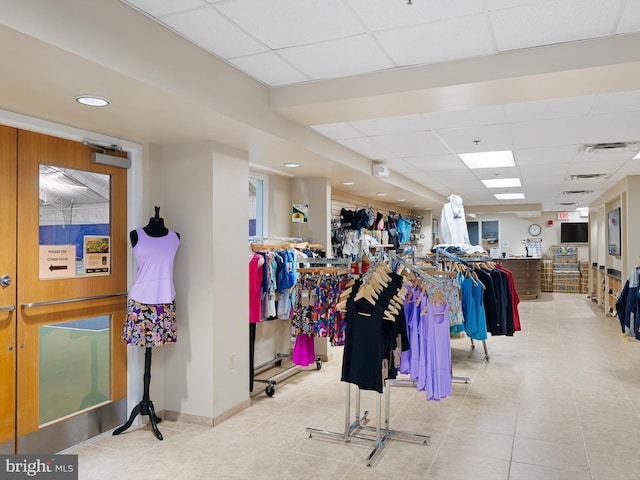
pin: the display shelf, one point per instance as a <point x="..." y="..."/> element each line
<point x="594" y="285"/>
<point x="613" y="289"/>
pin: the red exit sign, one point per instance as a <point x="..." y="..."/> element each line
<point x="563" y="215"/>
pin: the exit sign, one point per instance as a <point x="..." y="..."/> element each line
<point x="563" y="215"/>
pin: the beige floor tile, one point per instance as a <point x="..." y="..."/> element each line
<point x="524" y="471"/>
<point x="449" y="466"/>
<point x="614" y="467"/>
<point x="559" y="430"/>
<point x="557" y="401"/>
<point x="550" y="454"/>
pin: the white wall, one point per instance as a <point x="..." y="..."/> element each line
<point x="513" y="229"/>
<point x="315" y="192"/>
<point x="279" y="201"/>
<point x="202" y="191"/>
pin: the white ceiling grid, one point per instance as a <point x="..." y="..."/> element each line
<point x="285" y="42"/>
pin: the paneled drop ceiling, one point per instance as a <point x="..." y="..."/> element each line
<point x="342" y="85"/>
<point x="285" y="42"/>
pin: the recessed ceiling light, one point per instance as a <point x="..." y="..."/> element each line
<point x="348" y="184"/>
<point x="381" y="194"/>
<point x="488" y="159"/>
<point x="502" y="182"/>
<point x="417" y="206"/>
<point x="291" y="165"/>
<point x="637" y="157"/>
<point x="509" y="196"/>
<point x="582" y="209"/>
<point x="93" y="101"/>
<point x="401" y="200"/>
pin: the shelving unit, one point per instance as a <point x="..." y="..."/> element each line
<point x="593" y="283"/>
<point x="613" y="289"/>
<point x="601" y="285"/>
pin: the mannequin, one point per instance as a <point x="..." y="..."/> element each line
<point x="151" y="305"/>
<point x="453" y="223"/>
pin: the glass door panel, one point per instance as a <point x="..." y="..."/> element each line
<point x="72" y="265"/>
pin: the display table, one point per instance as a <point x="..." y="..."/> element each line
<point x="526" y="275"/>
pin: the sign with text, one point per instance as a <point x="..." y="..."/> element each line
<point x="563" y="215"/>
<point x="57" y="261"/>
<point x="50" y="467"/>
<point x="97" y="255"/>
<point x="299" y="213"/>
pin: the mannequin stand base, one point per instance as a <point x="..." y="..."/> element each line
<point x="143" y="408"/>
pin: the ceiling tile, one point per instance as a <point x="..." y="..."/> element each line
<point x="337" y="131"/>
<point x="367" y="147"/>
<point x="383" y="14"/>
<point x="562" y="131"/>
<point x="534" y="171"/>
<point x="595" y="167"/>
<point x="544" y="155"/>
<point x="451" y="176"/>
<point x="617" y="102"/>
<point x="466" y="118"/>
<point x="630" y="20"/>
<point x="613" y="127"/>
<point x="604" y="157"/>
<point x="436" y="162"/>
<point x="438" y="42"/>
<point x="502" y="172"/>
<point x="555" y="22"/>
<point x="412" y="144"/>
<point x="499" y="4"/>
<point x="491" y="138"/>
<point x="338" y="58"/>
<point x="390" y="125"/>
<point x="269" y="68"/>
<point x="288" y="23"/>
<point x="210" y="30"/>
<point x="632" y="167"/>
<point x="157" y="8"/>
<point x="546" y="109"/>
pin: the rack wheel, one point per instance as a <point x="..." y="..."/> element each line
<point x="318" y="364"/>
<point x="278" y="363"/>
<point x="270" y="390"/>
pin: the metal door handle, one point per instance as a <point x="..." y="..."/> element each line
<point x="8" y="308"/>
<point x="72" y="300"/>
<point x="5" y="281"/>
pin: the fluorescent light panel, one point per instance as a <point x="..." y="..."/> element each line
<point x="637" y="157"/>
<point x="496" y="159"/>
<point x="509" y="196"/>
<point x="502" y="182"/>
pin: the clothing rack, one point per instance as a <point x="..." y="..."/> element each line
<point x="383" y="434"/>
<point x="430" y="277"/>
<point x="319" y="266"/>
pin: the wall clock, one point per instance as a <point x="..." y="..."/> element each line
<point x="534" y="229"/>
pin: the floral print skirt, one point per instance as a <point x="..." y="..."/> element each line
<point x="150" y="325"/>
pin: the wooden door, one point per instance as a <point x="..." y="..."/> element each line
<point x="8" y="186"/>
<point x="71" y="360"/>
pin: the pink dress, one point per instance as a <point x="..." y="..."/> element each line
<point x="255" y="289"/>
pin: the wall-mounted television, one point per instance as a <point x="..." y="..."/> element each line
<point x="615" y="232"/>
<point x="574" y="232"/>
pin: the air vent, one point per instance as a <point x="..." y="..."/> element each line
<point x="633" y="146"/>
<point x="587" y="176"/>
<point x="576" y="192"/>
<point x="567" y="204"/>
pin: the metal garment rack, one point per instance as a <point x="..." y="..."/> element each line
<point x="328" y="266"/>
<point x="272" y="381"/>
<point x="440" y="250"/>
<point x="383" y="434"/>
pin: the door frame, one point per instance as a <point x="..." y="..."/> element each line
<point x="135" y="217"/>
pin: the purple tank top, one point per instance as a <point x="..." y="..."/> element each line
<point x="154" y="256"/>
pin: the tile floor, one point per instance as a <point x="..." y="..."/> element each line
<point x="558" y="401"/>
